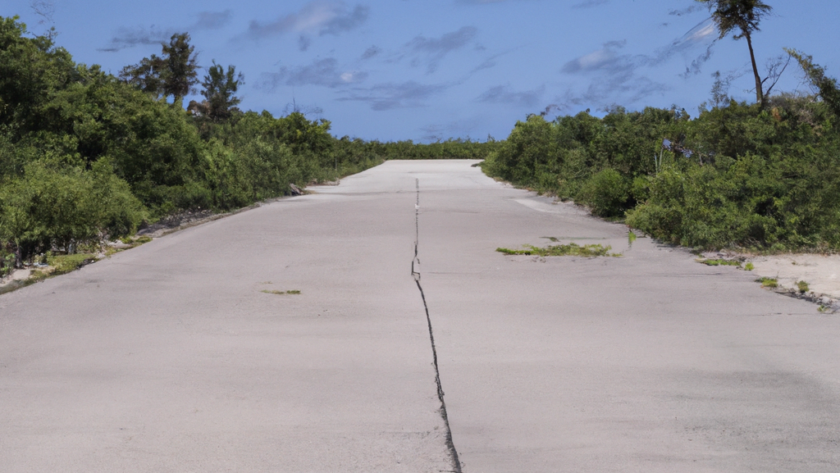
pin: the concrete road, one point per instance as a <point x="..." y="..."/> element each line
<point x="170" y="357"/>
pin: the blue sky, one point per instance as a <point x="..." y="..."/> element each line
<point x="434" y="69"/>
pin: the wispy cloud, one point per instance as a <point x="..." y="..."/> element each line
<point x="440" y="132"/>
<point x="321" y="72"/>
<point x="504" y="94"/>
<point x="371" y="52"/>
<point x="492" y="61"/>
<point x="210" y="20"/>
<point x="590" y="4"/>
<point x="605" y="93"/>
<point x="605" y="59"/>
<point x="686" y="11"/>
<point x="616" y="75"/>
<point x="126" y="37"/>
<point x="315" y="18"/>
<point x="389" y="96"/>
<point x="432" y="50"/>
<point x="480" y="2"/>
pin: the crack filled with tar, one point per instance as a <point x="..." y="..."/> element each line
<point x="415" y="272"/>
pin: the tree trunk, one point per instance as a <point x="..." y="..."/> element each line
<point x="18" y="259"/>
<point x="759" y="94"/>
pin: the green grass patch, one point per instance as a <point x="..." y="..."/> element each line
<point x="15" y="285"/>
<point x="802" y="286"/>
<point x="133" y="243"/>
<point x="749" y="267"/>
<point x="281" y="293"/>
<point x="572" y="249"/>
<point x="720" y="262"/>
<point x="59" y="264"/>
<point x="768" y="282"/>
<point x="63" y="264"/>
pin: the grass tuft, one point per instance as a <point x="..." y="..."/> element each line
<point x="572" y="249"/>
<point x="281" y="293"/>
<point x="63" y="264"/>
<point x="803" y="287"/>
<point x="749" y="267"/>
<point x="720" y="262"/>
<point x="768" y="282"/>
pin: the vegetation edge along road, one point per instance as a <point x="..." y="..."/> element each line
<point x="87" y="157"/>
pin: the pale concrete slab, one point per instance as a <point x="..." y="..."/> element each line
<point x="170" y="358"/>
<point x="650" y="362"/>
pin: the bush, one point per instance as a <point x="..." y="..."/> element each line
<point x="58" y="207"/>
<point x="607" y="193"/>
<point x="736" y="176"/>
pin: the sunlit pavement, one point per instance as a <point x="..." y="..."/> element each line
<point x="181" y="355"/>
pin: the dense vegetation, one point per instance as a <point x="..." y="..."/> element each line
<point x="86" y="156"/>
<point x="738" y="175"/>
<point x="764" y="176"/>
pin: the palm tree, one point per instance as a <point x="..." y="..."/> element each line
<point x="745" y="16"/>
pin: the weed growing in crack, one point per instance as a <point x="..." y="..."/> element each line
<point x="720" y="262"/>
<point x="133" y="243"/>
<point x="768" y="282"/>
<point x="280" y="293"/>
<point x="572" y="249"/>
<point x="803" y="287"/>
<point x="749" y="267"/>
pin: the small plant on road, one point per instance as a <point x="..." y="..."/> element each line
<point x="720" y="262"/>
<point x="749" y="267"/>
<point x="803" y="287"/>
<point x="572" y="249"/>
<point x="768" y="282"/>
<point x="281" y="293"/>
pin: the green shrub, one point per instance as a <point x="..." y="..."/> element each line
<point x="59" y="207"/>
<point x="607" y="193"/>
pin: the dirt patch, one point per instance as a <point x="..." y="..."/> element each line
<point x="818" y="274"/>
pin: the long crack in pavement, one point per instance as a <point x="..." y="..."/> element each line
<point x="415" y="272"/>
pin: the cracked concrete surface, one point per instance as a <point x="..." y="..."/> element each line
<point x="415" y="273"/>
<point x="169" y="357"/>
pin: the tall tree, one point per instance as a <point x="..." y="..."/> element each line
<point x="219" y="88"/>
<point x="174" y="73"/>
<point x="147" y="75"/>
<point x="744" y="16"/>
<point x="181" y="66"/>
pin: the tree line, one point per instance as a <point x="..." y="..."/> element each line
<point x="87" y="156"/>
